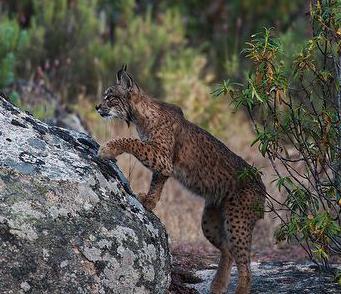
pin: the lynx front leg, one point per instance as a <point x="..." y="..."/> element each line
<point x="150" y="199"/>
<point x="109" y="150"/>
<point x="156" y="157"/>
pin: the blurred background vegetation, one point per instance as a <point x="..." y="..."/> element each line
<point x="175" y="49"/>
<point x="59" y="56"/>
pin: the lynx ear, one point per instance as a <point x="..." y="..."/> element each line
<point x="127" y="81"/>
<point x="124" y="78"/>
<point x="120" y="73"/>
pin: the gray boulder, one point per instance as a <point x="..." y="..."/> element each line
<point x="68" y="220"/>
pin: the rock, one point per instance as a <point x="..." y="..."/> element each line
<point x="68" y="220"/>
<point x="67" y="119"/>
<point x="274" y="277"/>
<point x="275" y="271"/>
<point x="38" y="98"/>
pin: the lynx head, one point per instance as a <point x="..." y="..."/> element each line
<point x="116" y="99"/>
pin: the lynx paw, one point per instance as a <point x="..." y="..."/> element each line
<point x="108" y="151"/>
<point x="217" y="289"/>
<point x="147" y="201"/>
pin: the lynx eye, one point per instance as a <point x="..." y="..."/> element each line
<point x="106" y="94"/>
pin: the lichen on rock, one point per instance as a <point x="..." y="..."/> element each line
<point x="68" y="220"/>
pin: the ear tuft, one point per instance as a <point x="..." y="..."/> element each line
<point x="121" y="72"/>
<point x="119" y="76"/>
<point x="124" y="78"/>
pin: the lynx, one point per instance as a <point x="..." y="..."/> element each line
<point x="171" y="146"/>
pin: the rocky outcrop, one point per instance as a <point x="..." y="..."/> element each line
<point x="37" y="98"/>
<point x="281" y="270"/>
<point x="273" y="277"/>
<point x="68" y="221"/>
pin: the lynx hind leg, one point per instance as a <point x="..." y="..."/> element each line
<point x="213" y="229"/>
<point x="212" y="225"/>
<point x="240" y="220"/>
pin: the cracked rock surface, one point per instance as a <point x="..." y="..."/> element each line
<point x="68" y="220"/>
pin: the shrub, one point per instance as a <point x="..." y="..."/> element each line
<point x="62" y="33"/>
<point x="13" y="41"/>
<point x="143" y="44"/>
<point x="186" y="85"/>
<point x="296" y="115"/>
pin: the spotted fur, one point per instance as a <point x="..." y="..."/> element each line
<point x="171" y="146"/>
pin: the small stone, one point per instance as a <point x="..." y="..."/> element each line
<point x="64" y="263"/>
<point x="25" y="286"/>
<point x="46" y="254"/>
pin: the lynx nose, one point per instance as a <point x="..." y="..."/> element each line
<point x="98" y="107"/>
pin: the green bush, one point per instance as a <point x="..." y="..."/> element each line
<point x="71" y="46"/>
<point x="143" y="44"/>
<point x="62" y="33"/>
<point x="13" y="41"/>
<point x="296" y="115"/>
